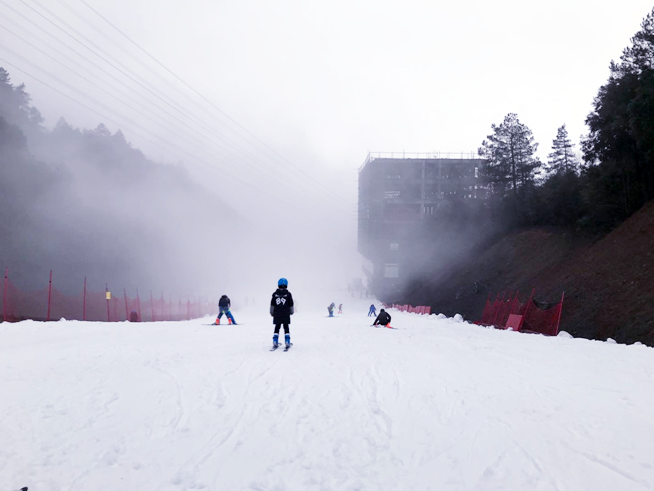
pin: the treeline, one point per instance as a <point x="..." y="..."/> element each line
<point x="85" y="202"/>
<point x="614" y="176"/>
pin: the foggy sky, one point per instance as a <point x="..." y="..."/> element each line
<point x="319" y="84"/>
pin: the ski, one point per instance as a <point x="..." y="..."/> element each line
<point x="288" y="347"/>
<point x="274" y="348"/>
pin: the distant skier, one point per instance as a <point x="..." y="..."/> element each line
<point x="373" y="310"/>
<point x="383" y="319"/>
<point x="223" y="307"/>
<point x="340" y="308"/>
<point x="330" y="309"/>
<point x="281" y="309"/>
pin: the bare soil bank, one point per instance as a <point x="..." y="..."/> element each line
<point x="608" y="282"/>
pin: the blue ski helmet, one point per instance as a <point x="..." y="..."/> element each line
<point x="282" y="282"/>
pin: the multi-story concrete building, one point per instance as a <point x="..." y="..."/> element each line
<point x="398" y="196"/>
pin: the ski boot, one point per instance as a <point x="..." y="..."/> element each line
<point x="217" y="323"/>
<point x="287" y="340"/>
<point x="229" y="321"/>
<point x="275" y="340"/>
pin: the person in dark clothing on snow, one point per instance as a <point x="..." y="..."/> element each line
<point x="372" y="311"/>
<point x="281" y="309"/>
<point x="383" y="319"/>
<point x="223" y="307"/>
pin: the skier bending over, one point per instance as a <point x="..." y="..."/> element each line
<point x="373" y="310"/>
<point x="281" y="309"/>
<point x="383" y="319"/>
<point x="223" y="307"/>
<point x="330" y="309"/>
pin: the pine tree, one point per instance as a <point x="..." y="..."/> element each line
<point x="509" y="154"/>
<point x="621" y="130"/>
<point x="15" y="104"/>
<point x="562" y="159"/>
<point x="640" y="55"/>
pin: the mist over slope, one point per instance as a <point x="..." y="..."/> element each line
<point x="84" y="202"/>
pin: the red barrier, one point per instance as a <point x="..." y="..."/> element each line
<point x="4" y="296"/>
<point x="51" y="304"/>
<point x="487" y="314"/>
<point x="514" y="322"/>
<point x="84" y="308"/>
<point x="531" y="316"/>
<point x="421" y="309"/>
<point x="49" y="296"/>
<point x="543" y="318"/>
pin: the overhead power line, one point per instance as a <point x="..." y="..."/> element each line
<point x="305" y="182"/>
<point x="147" y="53"/>
<point x="193" y="157"/>
<point x="99" y="80"/>
<point x="285" y="164"/>
<point x="199" y="124"/>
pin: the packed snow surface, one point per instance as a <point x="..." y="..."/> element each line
<point x="436" y="404"/>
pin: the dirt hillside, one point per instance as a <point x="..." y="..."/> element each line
<point x="608" y="283"/>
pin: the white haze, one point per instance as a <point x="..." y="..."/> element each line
<point x="313" y="86"/>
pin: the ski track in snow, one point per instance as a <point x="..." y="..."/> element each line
<point x="435" y="405"/>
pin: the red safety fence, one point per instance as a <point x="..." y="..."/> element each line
<point x="421" y="309"/>
<point x="51" y="304"/>
<point x="507" y="312"/>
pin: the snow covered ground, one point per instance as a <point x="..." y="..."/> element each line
<point x="434" y="405"/>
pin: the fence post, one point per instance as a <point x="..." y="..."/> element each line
<point x="49" y="296"/>
<point x="106" y="294"/>
<point x="138" y="304"/>
<point x="162" y="307"/>
<point x="188" y="309"/>
<point x="151" y="306"/>
<point x="4" y="296"/>
<point x="558" y="320"/>
<point x="126" y="312"/>
<point x="84" y="302"/>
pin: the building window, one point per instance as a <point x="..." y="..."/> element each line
<point x="476" y="172"/>
<point x="391" y="194"/>
<point x="395" y="246"/>
<point x="391" y="270"/>
<point x="428" y="210"/>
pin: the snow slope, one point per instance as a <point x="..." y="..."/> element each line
<point x="437" y="404"/>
